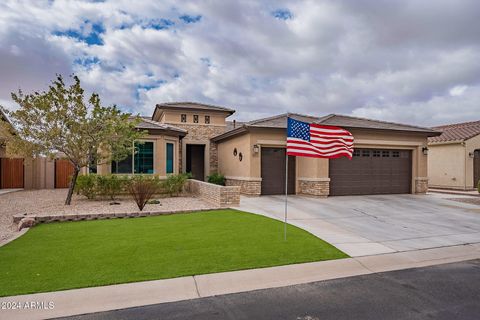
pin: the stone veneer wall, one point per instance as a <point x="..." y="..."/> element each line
<point x="202" y="132"/>
<point x="222" y="196"/>
<point x="421" y="185"/>
<point x="250" y="187"/>
<point x="319" y="187"/>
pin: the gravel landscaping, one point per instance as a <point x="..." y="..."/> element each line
<point x="50" y="202"/>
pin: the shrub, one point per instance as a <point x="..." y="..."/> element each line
<point x="87" y="185"/>
<point x="142" y="188"/>
<point x="175" y="182"/>
<point x="217" y="178"/>
<point x="110" y="185"/>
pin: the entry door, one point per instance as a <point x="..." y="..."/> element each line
<point x="63" y="173"/>
<point x="371" y="171"/>
<point x="476" y="168"/>
<point x="273" y="171"/>
<point x="196" y="161"/>
<point x="11" y="172"/>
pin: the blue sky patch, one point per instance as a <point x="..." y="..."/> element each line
<point x="190" y="19"/>
<point x="283" y="14"/>
<point x="159" y="24"/>
<point x="93" y="38"/>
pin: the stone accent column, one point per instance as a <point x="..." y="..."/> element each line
<point x="421" y="185"/>
<point x="248" y="186"/>
<point x="319" y="187"/>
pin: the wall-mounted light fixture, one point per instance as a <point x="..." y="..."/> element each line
<point x="425" y="151"/>
<point x="471" y="154"/>
<point x="256" y="148"/>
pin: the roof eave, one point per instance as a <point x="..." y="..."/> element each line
<point x="230" y="134"/>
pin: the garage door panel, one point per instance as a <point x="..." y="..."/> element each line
<point x="273" y="171"/>
<point x="371" y="171"/>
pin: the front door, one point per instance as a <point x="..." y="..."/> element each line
<point x="476" y="168"/>
<point x="196" y="161"/>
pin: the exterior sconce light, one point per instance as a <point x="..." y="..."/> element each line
<point x="240" y="156"/>
<point x="471" y="154"/>
<point x="425" y="151"/>
<point x="256" y="148"/>
<point x="235" y="152"/>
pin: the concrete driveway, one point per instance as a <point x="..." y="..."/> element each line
<point x="368" y="225"/>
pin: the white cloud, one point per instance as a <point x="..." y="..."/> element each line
<point x="414" y="61"/>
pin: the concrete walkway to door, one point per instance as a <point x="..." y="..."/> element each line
<point x="369" y="225"/>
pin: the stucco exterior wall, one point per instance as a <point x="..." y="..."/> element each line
<point x="446" y="163"/>
<point x="450" y="164"/>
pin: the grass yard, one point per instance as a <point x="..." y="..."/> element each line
<point x="70" y="255"/>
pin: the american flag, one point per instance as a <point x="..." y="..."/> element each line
<point x="318" y="141"/>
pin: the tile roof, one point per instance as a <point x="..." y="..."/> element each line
<point x="147" y="123"/>
<point x="456" y="132"/>
<point x="280" y="121"/>
<point x="194" y="105"/>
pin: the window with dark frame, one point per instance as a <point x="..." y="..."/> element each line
<point x="183" y="118"/>
<point x="207" y="119"/>
<point x="169" y="154"/>
<point x="195" y="118"/>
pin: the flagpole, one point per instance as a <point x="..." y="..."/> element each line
<point x="286" y="195"/>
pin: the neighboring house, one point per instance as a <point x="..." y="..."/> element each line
<point x="454" y="160"/>
<point x="197" y="138"/>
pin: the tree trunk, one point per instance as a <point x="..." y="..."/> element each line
<point x="72" y="185"/>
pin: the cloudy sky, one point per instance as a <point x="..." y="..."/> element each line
<point x="413" y="61"/>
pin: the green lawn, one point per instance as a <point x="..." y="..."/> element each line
<point x="69" y="255"/>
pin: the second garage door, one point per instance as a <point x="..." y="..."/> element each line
<point x="273" y="171"/>
<point x="371" y="171"/>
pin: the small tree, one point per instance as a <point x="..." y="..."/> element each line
<point x="60" y="120"/>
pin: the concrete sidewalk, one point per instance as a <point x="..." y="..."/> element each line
<point x="96" y="299"/>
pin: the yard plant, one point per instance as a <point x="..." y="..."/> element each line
<point x="62" y="121"/>
<point x="66" y="255"/>
<point x="216" y="178"/>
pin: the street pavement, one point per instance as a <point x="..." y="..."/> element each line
<point x="448" y="291"/>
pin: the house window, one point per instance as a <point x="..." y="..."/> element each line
<point x="143" y="159"/>
<point x="183" y="118"/>
<point x="169" y="152"/>
<point x="195" y="118"/>
<point x="207" y="119"/>
<point x="140" y="161"/>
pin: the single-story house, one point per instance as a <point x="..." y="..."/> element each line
<point x="197" y="138"/>
<point x="454" y="160"/>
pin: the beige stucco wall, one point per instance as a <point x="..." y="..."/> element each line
<point x="450" y="165"/>
<point x="446" y="163"/>
<point x="174" y="117"/>
<point x="313" y="169"/>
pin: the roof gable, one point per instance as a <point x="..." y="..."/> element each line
<point x="192" y="106"/>
<point x="456" y="132"/>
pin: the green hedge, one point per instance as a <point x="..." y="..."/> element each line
<point x="216" y="178"/>
<point x="112" y="185"/>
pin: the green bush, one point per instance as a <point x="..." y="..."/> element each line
<point x="110" y="185"/>
<point x="175" y="182"/>
<point x="217" y="178"/>
<point x="87" y="185"/>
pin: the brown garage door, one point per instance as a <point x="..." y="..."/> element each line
<point x="11" y="172"/>
<point x="273" y="171"/>
<point x="371" y="171"/>
<point x="476" y="169"/>
<point x="63" y="173"/>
